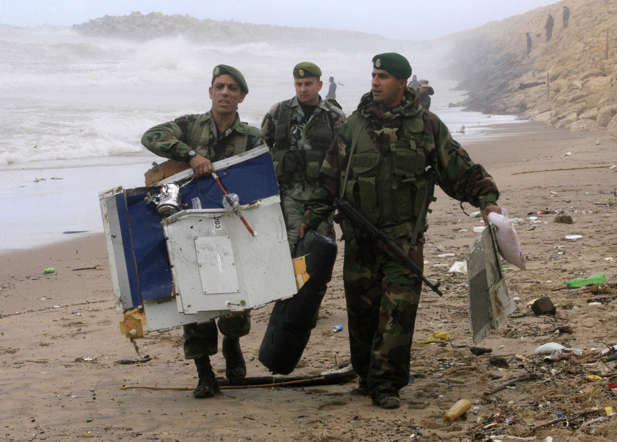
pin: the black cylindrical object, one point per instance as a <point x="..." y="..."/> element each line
<point x="292" y="320"/>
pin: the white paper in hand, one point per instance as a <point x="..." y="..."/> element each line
<point x="507" y="239"/>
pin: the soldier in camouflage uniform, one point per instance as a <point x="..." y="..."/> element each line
<point x="200" y="140"/>
<point x="299" y="131"/>
<point x="387" y="157"/>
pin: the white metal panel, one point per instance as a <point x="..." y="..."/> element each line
<point x="217" y="268"/>
<point x="263" y="262"/>
<point x="115" y="249"/>
<point x="165" y="315"/>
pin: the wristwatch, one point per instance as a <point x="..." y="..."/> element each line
<point x="191" y="154"/>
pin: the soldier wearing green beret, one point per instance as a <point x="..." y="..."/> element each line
<point x="386" y="159"/>
<point x="199" y="140"/>
<point x="299" y="131"/>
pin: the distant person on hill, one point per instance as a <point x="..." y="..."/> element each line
<point x="331" y="95"/>
<point x="424" y="94"/>
<point x="414" y="83"/>
<point x="566" y="16"/>
<point x="549" y="26"/>
<point x="528" y="43"/>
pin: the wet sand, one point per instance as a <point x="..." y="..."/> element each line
<point x="59" y="335"/>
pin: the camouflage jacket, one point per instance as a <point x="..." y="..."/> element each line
<point x="198" y="132"/>
<point x="299" y="144"/>
<point x="397" y="155"/>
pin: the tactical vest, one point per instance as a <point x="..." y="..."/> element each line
<point x="292" y="164"/>
<point x="199" y="138"/>
<point x="393" y="187"/>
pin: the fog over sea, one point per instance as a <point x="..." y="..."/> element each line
<point x="74" y="109"/>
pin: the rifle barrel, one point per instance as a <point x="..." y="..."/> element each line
<point x="390" y="246"/>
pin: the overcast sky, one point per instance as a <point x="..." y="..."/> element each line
<point x="404" y="19"/>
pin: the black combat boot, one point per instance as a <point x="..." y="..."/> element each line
<point x="362" y="388"/>
<point x="386" y="399"/>
<point x="235" y="367"/>
<point x="207" y="386"/>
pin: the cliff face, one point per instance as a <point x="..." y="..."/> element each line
<point x="568" y="81"/>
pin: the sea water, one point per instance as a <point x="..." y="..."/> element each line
<point x="74" y="109"/>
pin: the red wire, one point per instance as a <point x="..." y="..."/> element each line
<point x="244" y="221"/>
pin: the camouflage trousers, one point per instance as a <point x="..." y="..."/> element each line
<point x="201" y="340"/>
<point x="382" y="300"/>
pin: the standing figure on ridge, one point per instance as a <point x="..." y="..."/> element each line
<point x="414" y="83"/>
<point x="549" y="26"/>
<point x="387" y="156"/>
<point x="331" y="95"/>
<point x="199" y="140"/>
<point x="528" y="43"/>
<point x="566" y="16"/>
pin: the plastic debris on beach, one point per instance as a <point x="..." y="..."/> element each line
<point x="458" y="267"/>
<point x="507" y="239"/>
<point x="555" y="348"/>
<point x="598" y="278"/>
<point x="572" y="237"/>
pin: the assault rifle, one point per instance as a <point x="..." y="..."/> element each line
<point x="389" y="246"/>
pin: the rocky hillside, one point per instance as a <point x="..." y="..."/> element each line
<point x="568" y="81"/>
<point x="154" y="25"/>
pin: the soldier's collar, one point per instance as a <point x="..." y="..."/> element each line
<point x="296" y="103"/>
<point x="237" y="125"/>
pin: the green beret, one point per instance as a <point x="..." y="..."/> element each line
<point x="306" y="69"/>
<point x="230" y="70"/>
<point x="394" y="63"/>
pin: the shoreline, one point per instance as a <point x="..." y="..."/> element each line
<point x="75" y="184"/>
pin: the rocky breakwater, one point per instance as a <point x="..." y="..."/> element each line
<point x="569" y="80"/>
<point x="140" y="26"/>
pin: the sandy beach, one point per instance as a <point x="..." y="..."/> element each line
<point x="60" y="340"/>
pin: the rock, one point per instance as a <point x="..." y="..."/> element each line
<point x="612" y="124"/>
<point x="543" y="117"/>
<point x="559" y="85"/>
<point x="566" y="121"/>
<point x="577" y="97"/>
<point x="498" y="362"/>
<point x="563" y="218"/>
<point x="606" y="114"/>
<point x="590" y="114"/>
<point x="597" y="84"/>
<point x="592" y="74"/>
<point x="583" y="125"/>
<point x="543" y="306"/>
<point x="480" y="350"/>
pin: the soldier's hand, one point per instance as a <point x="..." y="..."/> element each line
<point x="302" y="230"/>
<point x="200" y="165"/>
<point x="488" y="209"/>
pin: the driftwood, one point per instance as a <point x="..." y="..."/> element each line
<point x="265" y="382"/>
<point x="527" y="377"/>
<point x="565" y="418"/>
<point x="562" y="169"/>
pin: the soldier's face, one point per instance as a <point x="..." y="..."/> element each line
<point x="387" y="90"/>
<point x="226" y="94"/>
<point x="307" y="90"/>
